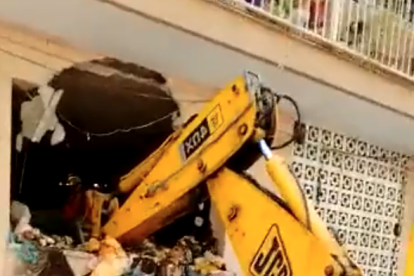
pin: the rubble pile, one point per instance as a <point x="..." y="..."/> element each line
<point x="187" y="257"/>
<point x="36" y="254"/>
<point x="20" y="217"/>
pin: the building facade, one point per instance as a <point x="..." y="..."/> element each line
<point x="348" y="64"/>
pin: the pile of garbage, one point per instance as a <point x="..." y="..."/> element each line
<point x="35" y="254"/>
<point x="186" y="258"/>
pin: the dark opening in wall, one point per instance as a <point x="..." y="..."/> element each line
<point x="114" y="115"/>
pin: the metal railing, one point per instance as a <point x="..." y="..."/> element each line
<point x="378" y="30"/>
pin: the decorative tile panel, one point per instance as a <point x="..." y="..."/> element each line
<point x="357" y="189"/>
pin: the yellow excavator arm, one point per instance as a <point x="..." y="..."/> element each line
<point x="271" y="236"/>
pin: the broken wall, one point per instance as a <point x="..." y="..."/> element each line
<point x="108" y="116"/>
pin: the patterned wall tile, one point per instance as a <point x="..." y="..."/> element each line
<point x="358" y="191"/>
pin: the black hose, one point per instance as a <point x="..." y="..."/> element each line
<point x="297" y="128"/>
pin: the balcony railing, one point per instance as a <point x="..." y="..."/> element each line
<point x="381" y="31"/>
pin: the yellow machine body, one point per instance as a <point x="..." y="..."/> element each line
<point x="409" y="266"/>
<point x="268" y="237"/>
<point x="224" y="125"/>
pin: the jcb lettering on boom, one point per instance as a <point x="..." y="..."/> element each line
<point x="202" y="132"/>
<point x="271" y="258"/>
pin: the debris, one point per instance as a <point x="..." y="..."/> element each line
<point x="192" y="273"/>
<point x="223" y="273"/>
<point x="113" y="260"/>
<point x="92" y="245"/>
<point x="58" y="135"/>
<point x="49" y="120"/>
<point x="28" y="258"/>
<point x="80" y="262"/>
<point x="62" y="242"/>
<point x="57" y="264"/>
<point x="172" y="270"/>
<point x="25" y="250"/>
<point x="209" y="264"/>
<point x="34" y="251"/>
<point x="187" y="258"/>
<point x="215" y="260"/>
<point x="147" y="267"/>
<point x="20" y="217"/>
<point x="38" y="116"/>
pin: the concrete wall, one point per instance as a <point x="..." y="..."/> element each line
<point x="256" y="38"/>
<point x="5" y="134"/>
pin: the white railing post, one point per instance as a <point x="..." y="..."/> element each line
<point x="334" y="22"/>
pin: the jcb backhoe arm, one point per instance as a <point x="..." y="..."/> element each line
<point x="270" y="236"/>
<point x="235" y="115"/>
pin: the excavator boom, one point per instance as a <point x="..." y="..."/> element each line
<point x="270" y="236"/>
<point x="163" y="182"/>
<point x="266" y="238"/>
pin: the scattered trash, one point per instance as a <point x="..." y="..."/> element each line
<point x="93" y="245"/>
<point x="113" y="261"/>
<point x="223" y="273"/>
<point x="37" y="254"/>
<point x="81" y="263"/>
<point x="25" y="250"/>
<point x="29" y="258"/>
<point x="62" y="242"/>
<point x="187" y="258"/>
<point x="20" y="217"/>
<point x="209" y="264"/>
<point x="56" y="264"/>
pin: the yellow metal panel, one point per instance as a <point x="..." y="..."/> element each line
<point x="409" y="267"/>
<point x="266" y="238"/>
<point x="290" y="190"/>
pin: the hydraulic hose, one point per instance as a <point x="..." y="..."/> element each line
<point x="297" y="125"/>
